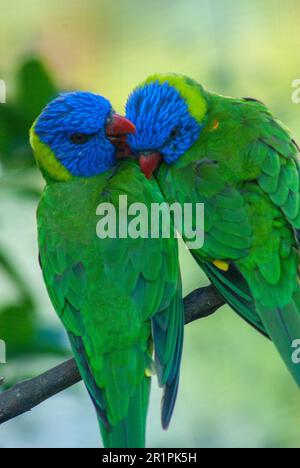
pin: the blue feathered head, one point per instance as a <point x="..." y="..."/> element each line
<point x="168" y="112"/>
<point x="77" y="135"/>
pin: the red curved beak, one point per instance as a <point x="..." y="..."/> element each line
<point x="149" y="162"/>
<point x="119" y="127"/>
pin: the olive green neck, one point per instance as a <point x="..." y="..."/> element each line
<point x="50" y="167"/>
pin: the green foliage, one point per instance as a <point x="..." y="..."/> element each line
<point x="19" y="320"/>
<point x="20" y="324"/>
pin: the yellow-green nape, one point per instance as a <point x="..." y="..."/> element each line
<point x="46" y="159"/>
<point x="191" y="91"/>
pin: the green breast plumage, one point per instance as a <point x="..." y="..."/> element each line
<point x="107" y="292"/>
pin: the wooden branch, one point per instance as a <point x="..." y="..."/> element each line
<point x="26" y="395"/>
<point x="201" y="303"/>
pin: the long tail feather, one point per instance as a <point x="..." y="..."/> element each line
<point x="283" y="325"/>
<point x="130" y="433"/>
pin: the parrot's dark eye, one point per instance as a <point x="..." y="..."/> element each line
<point x="80" y="138"/>
<point x="174" y="132"/>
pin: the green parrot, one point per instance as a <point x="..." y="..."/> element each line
<point x="238" y="160"/>
<point x="117" y="297"/>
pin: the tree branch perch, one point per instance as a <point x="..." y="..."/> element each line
<point x="26" y="395"/>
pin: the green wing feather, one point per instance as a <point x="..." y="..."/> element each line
<point x="228" y="232"/>
<point x="272" y="269"/>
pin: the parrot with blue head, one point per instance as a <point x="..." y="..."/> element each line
<point x="233" y="156"/>
<point x="118" y="298"/>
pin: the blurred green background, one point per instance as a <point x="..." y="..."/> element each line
<point x="235" y="392"/>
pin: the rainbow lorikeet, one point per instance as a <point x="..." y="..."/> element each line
<point x="241" y="162"/>
<point x="116" y="297"/>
